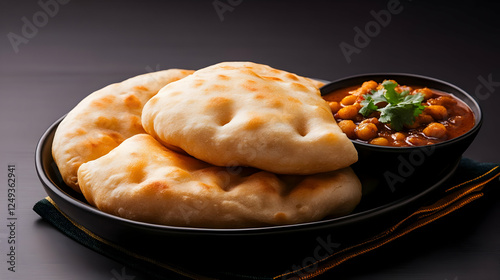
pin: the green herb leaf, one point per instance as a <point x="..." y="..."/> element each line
<point x="368" y="107"/>
<point x="378" y="96"/>
<point x="390" y="93"/>
<point x="397" y="115"/>
<point x="401" y="108"/>
<point x="369" y="104"/>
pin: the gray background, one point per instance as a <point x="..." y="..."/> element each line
<point x="84" y="45"/>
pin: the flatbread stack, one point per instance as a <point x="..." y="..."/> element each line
<point x="232" y="145"/>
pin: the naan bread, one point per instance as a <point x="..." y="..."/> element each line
<point x="144" y="181"/>
<point x="242" y="113"/>
<point x="104" y="119"/>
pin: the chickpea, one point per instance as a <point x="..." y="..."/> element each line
<point x="442" y="100"/>
<point x="348" y="127"/>
<point x="365" y="88"/>
<point x="368" y="86"/>
<point x="398" y="136"/>
<point x="334" y="106"/>
<point x="435" y="130"/>
<point x="366" y="131"/>
<point x="349" y="100"/>
<point x="381" y="141"/>
<point x="348" y="112"/>
<point x="371" y="120"/>
<point x="426" y="92"/>
<point x="438" y="112"/>
<point x="415" y="140"/>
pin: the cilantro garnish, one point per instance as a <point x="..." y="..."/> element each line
<point x="401" y="108"/>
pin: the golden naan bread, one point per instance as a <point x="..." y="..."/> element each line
<point x="144" y="181"/>
<point x="242" y="113"/>
<point x="104" y="119"/>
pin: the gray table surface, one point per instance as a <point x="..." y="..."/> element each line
<point x="54" y="53"/>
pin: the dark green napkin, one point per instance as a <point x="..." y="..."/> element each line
<point x="470" y="182"/>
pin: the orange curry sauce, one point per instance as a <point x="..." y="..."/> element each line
<point x="436" y="124"/>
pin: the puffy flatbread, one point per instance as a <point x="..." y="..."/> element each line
<point x="243" y="113"/>
<point x="144" y="181"/>
<point x="104" y="119"/>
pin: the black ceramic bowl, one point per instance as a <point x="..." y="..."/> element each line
<point x="397" y="171"/>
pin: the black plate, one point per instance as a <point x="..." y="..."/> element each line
<point x="106" y="225"/>
<point x="232" y="249"/>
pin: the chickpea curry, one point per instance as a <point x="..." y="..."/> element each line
<point x="389" y="114"/>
